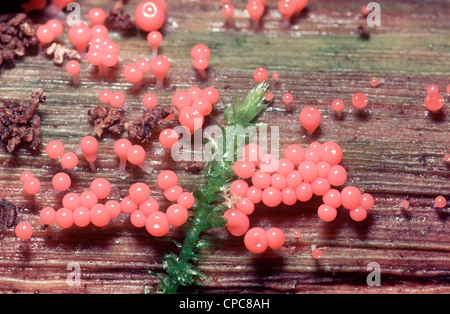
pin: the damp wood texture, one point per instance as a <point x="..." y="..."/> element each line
<point x="394" y="150"/>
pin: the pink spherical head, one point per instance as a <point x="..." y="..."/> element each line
<point x="97" y="16"/>
<point x="245" y="205"/>
<point x="244" y="169"/>
<point x="100" y="215"/>
<point x="32" y="186"/>
<point x="81" y="217"/>
<point x="139" y="192"/>
<point x="255" y="9"/>
<point x="294" y="179"/>
<point x="168" y="138"/>
<point x="25" y="176"/>
<point x="121" y="148"/>
<point x="260" y="75"/>
<point x="56" y="26"/>
<point x="320" y="186"/>
<point x="150" y="101"/>
<point x="186" y="199"/>
<point x="45" y="34"/>
<point x="191" y="118"/>
<point x="308" y="171"/>
<point x="24" y="230"/>
<point x="157" y="224"/>
<point x="61" y="182"/>
<point x="310" y="119"/>
<point x="55" y="149"/>
<point x="71" y="201"/>
<point x="337" y="175"/>
<point x="105" y="96"/>
<point x="254" y="194"/>
<point x="73" y="67"/>
<point x="89" y="145"/>
<point x="350" y="197"/>
<point x="149" y="16"/>
<point x="327" y="213"/>
<point x="295" y="154"/>
<point x="200" y="50"/>
<point x="114" y="208"/>
<point x="133" y="73"/>
<point x="434" y="102"/>
<point x="177" y="215"/>
<point x="255" y="240"/>
<point x="288" y="196"/>
<point x="69" y="160"/>
<point x="149" y="207"/>
<point x="110" y="59"/>
<point x="332" y="198"/>
<point x="95" y="56"/>
<point x="287" y="8"/>
<point x="101" y="188"/>
<point x="287" y="98"/>
<point x="201" y="63"/>
<point x="440" y="201"/>
<point x="136" y="155"/>
<point x="228" y="11"/>
<point x="88" y="199"/>
<point x="359" y="100"/>
<point x="331" y="152"/>
<point x="358" y="214"/>
<point x="337" y="105"/>
<point x="138" y="219"/>
<point x="304" y="192"/>
<point x="64" y="218"/>
<point x="203" y="105"/>
<point x="144" y="65"/>
<point x="181" y="99"/>
<point x="117" y="100"/>
<point x="47" y="215"/>
<point x="275" y="238"/>
<point x="278" y="181"/>
<point x="367" y="201"/>
<point x="167" y="179"/>
<point x="99" y="31"/>
<point x="80" y="35"/>
<point x="160" y="66"/>
<point x="317" y="253"/>
<point x="261" y="180"/>
<point x="211" y="94"/>
<point x="194" y="92"/>
<point x="155" y="39"/>
<point x="128" y="206"/>
<point x="271" y="197"/>
<point x="173" y="193"/>
<point x="432" y="88"/>
<point x="237" y="222"/>
<point x="285" y="166"/>
<point x="239" y="188"/>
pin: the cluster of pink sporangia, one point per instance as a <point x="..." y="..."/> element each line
<point x="295" y="177"/>
<point x="85" y="208"/>
<point x="256" y="8"/>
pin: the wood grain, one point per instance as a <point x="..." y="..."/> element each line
<point x="394" y="151"/>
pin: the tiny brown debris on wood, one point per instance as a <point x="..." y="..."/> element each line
<point x="61" y="53"/>
<point x="141" y="129"/>
<point x="8" y="214"/>
<point x="364" y="32"/>
<point x="117" y="19"/>
<point x="21" y="123"/>
<point x="16" y="36"/>
<point x="111" y="119"/>
<point x="193" y="167"/>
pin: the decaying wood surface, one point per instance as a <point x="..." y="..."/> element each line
<point x="394" y="151"/>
